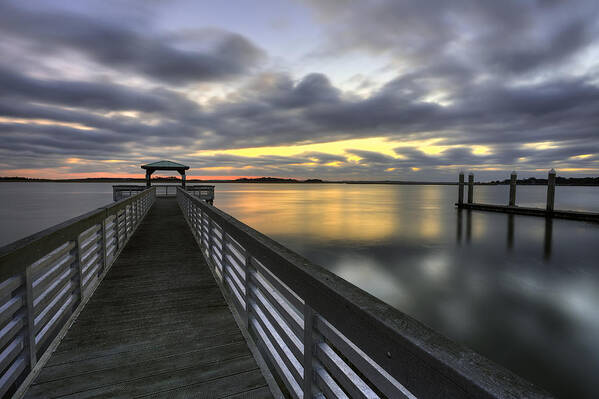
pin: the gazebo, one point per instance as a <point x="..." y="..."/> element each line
<point x="164" y="165"/>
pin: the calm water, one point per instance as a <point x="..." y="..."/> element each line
<point x="520" y="291"/>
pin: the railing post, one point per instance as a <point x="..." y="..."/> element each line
<point x="246" y="287"/>
<point x="30" y="317"/>
<point x="308" y="349"/>
<point x="470" y="188"/>
<point x="196" y="221"/>
<point x="125" y="219"/>
<point x="513" y="178"/>
<point x="224" y="250"/>
<point x="461" y="188"/>
<point x="209" y="241"/>
<point x="79" y="268"/>
<point x="104" y="247"/>
<point x="551" y="190"/>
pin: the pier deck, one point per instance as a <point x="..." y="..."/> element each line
<point x="156" y="326"/>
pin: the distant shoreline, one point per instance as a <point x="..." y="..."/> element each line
<point x="561" y="181"/>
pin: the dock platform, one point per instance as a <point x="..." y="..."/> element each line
<point x="156" y="326"/>
<point x="523" y="210"/>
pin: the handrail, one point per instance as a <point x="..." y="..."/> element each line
<point x="46" y="279"/>
<point x="320" y="334"/>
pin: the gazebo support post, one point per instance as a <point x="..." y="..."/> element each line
<point x="148" y="178"/>
<point x="182" y="172"/>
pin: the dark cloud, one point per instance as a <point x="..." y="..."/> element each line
<point x="205" y="55"/>
<point x="90" y="95"/>
<point x="509" y="36"/>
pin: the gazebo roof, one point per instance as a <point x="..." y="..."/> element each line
<point x="164" y="165"/>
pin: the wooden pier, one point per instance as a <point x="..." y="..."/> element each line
<point x="157" y="325"/>
<point x="171" y="297"/>
<point x="511" y="208"/>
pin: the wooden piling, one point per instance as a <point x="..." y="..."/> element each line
<point x="551" y="190"/>
<point x="461" y="188"/>
<point x="470" y="188"/>
<point x="513" y="178"/>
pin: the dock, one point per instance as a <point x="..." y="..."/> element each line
<point x="512" y="208"/>
<point x="172" y="297"/>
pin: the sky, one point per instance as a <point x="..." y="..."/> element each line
<point x="337" y="89"/>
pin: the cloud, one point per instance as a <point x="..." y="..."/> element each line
<point x="501" y="37"/>
<point x="465" y="74"/>
<point x="202" y="55"/>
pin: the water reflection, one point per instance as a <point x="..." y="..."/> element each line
<point x="319" y="214"/>
<point x="510" y="230"/>
<point x="548" y="238"/>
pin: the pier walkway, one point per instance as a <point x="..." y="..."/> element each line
<point x="157" y="326"/>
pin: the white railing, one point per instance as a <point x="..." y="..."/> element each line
<point x="323" y="337"/>
<point x="203" y="192"/>
<point x="48" y="277"/>
<point x="166" y="191"/>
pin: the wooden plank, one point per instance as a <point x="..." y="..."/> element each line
<point x="138" y="352"/>
<point x="153" y="367"/>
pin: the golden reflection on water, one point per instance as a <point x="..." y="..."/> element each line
<point x="364" y="213"/>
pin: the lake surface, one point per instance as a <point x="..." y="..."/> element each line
<point x="519" y="290"/>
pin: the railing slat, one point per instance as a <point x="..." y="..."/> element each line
<point x="269" y="351"/>
<point x="328" y="386"/>
<point x="11" y="329"/>
<point x="11" y="375"/>
<point x="295" y="301"/>
<point x="45" y="297"/>
<point x="10" y="307"/>
<point x="372" y="371"/>
<point x="275" y="319"/>
<point x="294" y="321"/>
<point x="46" y="279"/>
<point x="290" y="360"/>
<point x="11" y="352"/>
<point x="344" y="374"/>
<point x="51" y="257"/>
